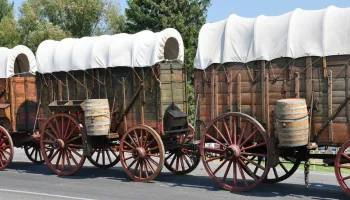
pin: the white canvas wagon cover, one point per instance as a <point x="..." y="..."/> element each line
<point x="19" y="59"/>
<point x="142" y="49"/>
<point x="295" y="34"/>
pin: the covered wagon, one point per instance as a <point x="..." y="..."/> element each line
<point x="18" y="105"/>
<point x="115" y="97"/>
<point x="271" y="89"/>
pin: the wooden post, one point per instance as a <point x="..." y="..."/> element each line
<point x="267" y="103"/>
<point x="213" y="95"/>
<point x="263" y="88"/>
<point x="297" y="85"/>
<point x="324" y="67"/>
<point x="330" y="103"/>
<point x="124" y="104"/>
<point x="239" y="96"/>
<point x="67" y="86"/>
<point x="347" y="74"/>
<point x="143" y="97"/>
<point x="309" y="81"/>
<point x="13" y="103"/>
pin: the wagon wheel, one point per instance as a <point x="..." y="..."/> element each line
<point x="142" y="153"/>
<point x="104" y="157"/>
<point x="63" y="135"/>
<point x="6" y="148"/>
<point x="282" y="171"/>
<point x="183" y="160"/>
<point x="342" y="167"/>
<point x="231" y="147"/>
<point x="33" y="153"/>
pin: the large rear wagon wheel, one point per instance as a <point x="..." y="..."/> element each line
<point x="181" y="160"/>
<point x="230" y="139"/>
<point x="142" y="153"/>
<point x="342" y="167"/>
<point x="6" y="148"/>
<point x="63" y="135"/>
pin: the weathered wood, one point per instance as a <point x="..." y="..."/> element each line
<point x="324" y="64"/>
<point x="263" y="89"/>
<point x="297" y="85"/>
<point x="347" y="107"/>
<point x="267" y="104"/>
<point x="330" y="104"/>
<point x="213" y="95"/>
<point x="309" y="80"/>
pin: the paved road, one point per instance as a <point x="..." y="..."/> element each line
<point x="24" y="180"/>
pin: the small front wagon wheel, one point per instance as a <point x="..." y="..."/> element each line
<point x="6" y="148"/>
<point x="142" y="153"/>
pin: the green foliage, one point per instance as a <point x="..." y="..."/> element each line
<point x="46" y="19"/>
<point x="9" y="34"/>
<point x="187" y="16"/>
<point x="5" y="8"/>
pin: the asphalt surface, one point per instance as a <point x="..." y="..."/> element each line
<point x="24" y="180"/>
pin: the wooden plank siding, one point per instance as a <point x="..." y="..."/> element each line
<point x="287" y="79"/>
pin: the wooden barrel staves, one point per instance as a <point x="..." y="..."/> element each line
<point x="292" y="122"/>
<point x="97" y="117"/>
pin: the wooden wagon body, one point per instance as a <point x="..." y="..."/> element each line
<point x="135" y="85"/>
<point x="248" y="70"/>
<point x="18" y="104"/>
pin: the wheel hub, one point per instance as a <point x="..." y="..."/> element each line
<point x="139" y="153"/>
<point x="3" y="147"/>
<point x="60" y="143"/>
<point x="233" y="152"/>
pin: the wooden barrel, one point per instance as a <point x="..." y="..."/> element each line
<point x="97" y="117"/>
<point x="291" y="109"/>
<point x="292" y="122"/>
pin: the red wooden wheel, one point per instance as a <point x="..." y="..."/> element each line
<point x="6" y="148"/>
<point x="342" y="167"/>
<point x="63" y="135"/>
<point x="183" y="160"/>
<point x="229" y="140"/>
<point x="104" y="157"/>
<point x="142" y="153"/>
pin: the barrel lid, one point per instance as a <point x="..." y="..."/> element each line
<point x="291" y="101"/>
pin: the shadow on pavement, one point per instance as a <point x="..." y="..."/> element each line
<point x="315" y="191"/>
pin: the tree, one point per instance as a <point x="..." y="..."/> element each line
<point x="9" y="32"/>
<point x="187" y="16"/>
<point x="5" y="8"/>
<point x="46" y="19"/>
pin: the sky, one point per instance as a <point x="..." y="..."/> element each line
<point x="221" y="9"/>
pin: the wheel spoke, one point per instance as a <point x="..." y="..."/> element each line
<point x="214" y="158"/>
<point x="221" y="135"/>
<point x="215" y="140"/>
<point x="132" y="141"/>
<point x="254" y="154"/>
<point x="242" y="133"/>
<point x="212" y="150"/>
<point x="169" y="156"/>
<point x="152" y="149"/>
<point x="346" y="178"/>
<point x="226" y="172"/>
<point x="54" y="155"/>
<point x="129" y="145"/>
<point x="131" y="164"/>
<point x="283" y="167"/>
<point x="248" y="138"/>
<point x="346" y="156"/>
<point x="136" y="167"/>
<point x="242" y="174"/>
<point x="247" y="169"/>
<point x="252" y="162"/>
<point x="71" y="132"/>
<point x="71" y="140"/>
<point x="187" y="162"/>
<point x="74" y="151"/>
<point x="109" y="156"/>
<point x="228" y="132"/>
<point x="67" y="128"/>
<point x="275" y="172"/>
<point x="253" y="146"/>
<point x="149" y="165"/>
<point x="220" y="166"/>
<point x="153" y="161"/>
<point x="234" y="173"/>
<point x="54" y="131"/>
<point x="58" y="159"/>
